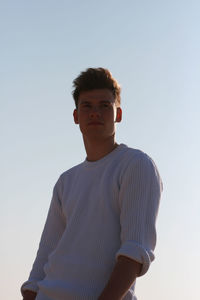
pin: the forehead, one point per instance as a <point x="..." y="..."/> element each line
<point x="96" y="95"/>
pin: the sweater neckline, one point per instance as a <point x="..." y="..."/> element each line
<point x="102" y="160"/>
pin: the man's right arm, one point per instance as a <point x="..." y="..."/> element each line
<point x="53" y="230"/>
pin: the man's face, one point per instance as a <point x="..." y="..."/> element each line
<point x="97" y="113"/>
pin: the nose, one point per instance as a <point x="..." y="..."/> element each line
<point x="95" y="112"/>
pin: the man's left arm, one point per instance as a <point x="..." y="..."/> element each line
<point x="122" y="277"/>
<point x="139" y="197"/>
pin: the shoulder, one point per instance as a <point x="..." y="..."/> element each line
<point x="137" y="162"/>
<point x="132" y="157"/>
<point x="67" y="176"/>
<point x="71" y="171"/>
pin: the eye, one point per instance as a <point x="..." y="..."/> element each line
<point x="105" y="105"/>
<point x="85" y="106"/>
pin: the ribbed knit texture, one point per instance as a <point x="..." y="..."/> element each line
<point x="99" y="210"/>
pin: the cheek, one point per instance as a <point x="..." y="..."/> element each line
<point x="112" y="116"/>
<point x="82" y="122"/>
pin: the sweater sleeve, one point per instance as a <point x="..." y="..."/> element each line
<point x="140" y="193"/>
<point x="52" y="232"/>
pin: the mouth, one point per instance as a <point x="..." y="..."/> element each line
<point x="95" y="123"/>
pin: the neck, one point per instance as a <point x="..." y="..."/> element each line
<point x="97" y="149"/>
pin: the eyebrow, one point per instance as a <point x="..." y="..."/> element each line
<point x="84" y="102"/>
<point x="102" y="101"/>
<point x="106" y="101"/>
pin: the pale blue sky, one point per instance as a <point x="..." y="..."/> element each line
<point x="152" y="48"/>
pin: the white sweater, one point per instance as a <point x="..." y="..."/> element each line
<point x="99" y="210"/>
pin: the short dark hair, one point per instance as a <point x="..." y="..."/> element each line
<point x="96" y="78"/>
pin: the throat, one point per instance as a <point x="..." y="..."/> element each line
<point x="96" y="151"/>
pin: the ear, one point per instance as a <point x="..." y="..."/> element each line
<point x="75" y="115"/>
<point x="118" y="115"/>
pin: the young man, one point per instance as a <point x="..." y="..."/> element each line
<point x="100" y="230"/>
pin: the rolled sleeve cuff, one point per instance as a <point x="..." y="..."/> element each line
<point x="137" y="252"/>
<point x="29" y="285"/>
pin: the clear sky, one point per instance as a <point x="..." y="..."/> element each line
<point x="153" y="49"/>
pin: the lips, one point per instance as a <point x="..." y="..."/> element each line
<point x="95" y="123"/>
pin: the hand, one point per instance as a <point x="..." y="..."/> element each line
<point x="29" y="295"/>
<point x="122" y="277"/>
